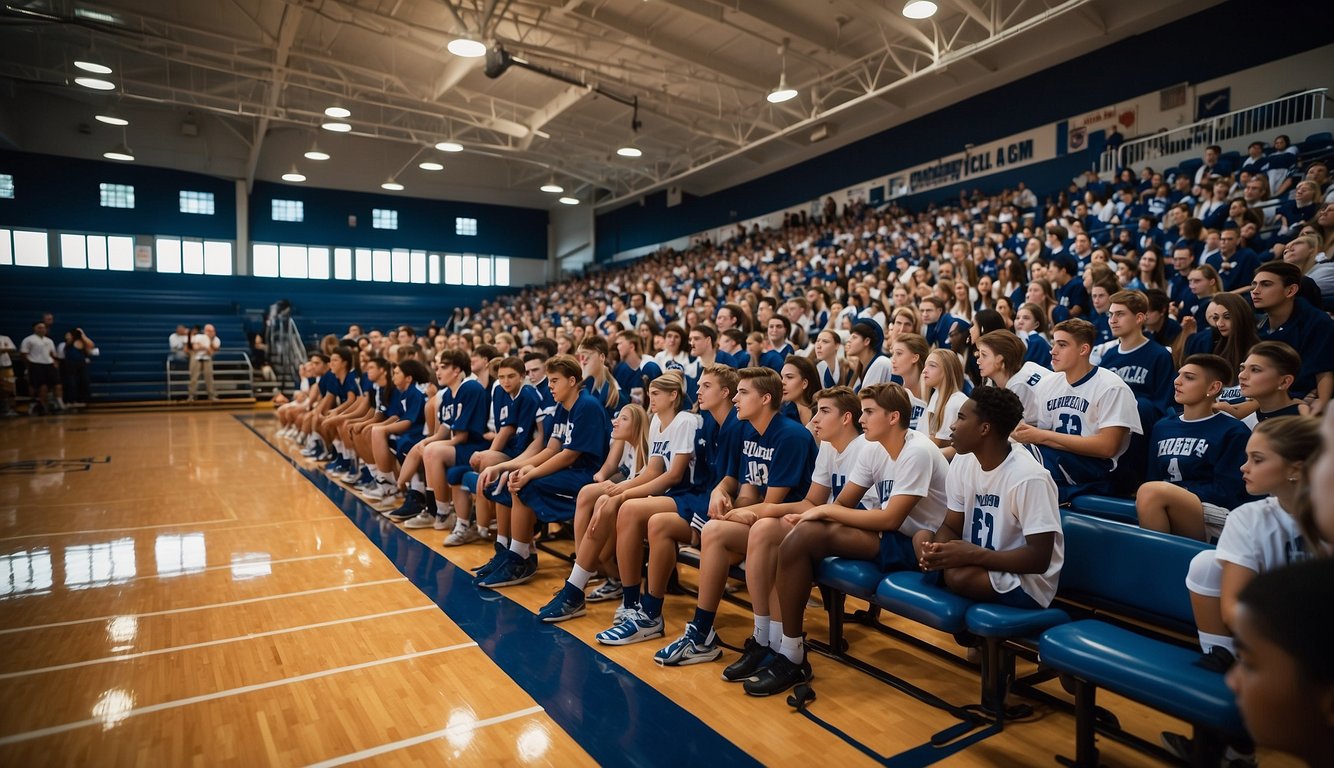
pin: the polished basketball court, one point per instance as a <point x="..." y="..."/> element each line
<point x="181" y="589"/>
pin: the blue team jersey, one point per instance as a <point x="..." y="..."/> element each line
<point x="379" y="399"/>
<point x="601" y="394"/>
<point x="1149" y="372"/>
<point x="367" y="386"/>
<point x="723" y="358"/>
<point x="773" y="360"/>
<point x="584" y="428"/>
<point x="1104" y="329"/>
<point x="330" y="384"/>
<point x="1203" y="456"/>
<point x="1038" y="350"/>
<point x="519" y="412"/>
<point x="1237" y="272"/>
<point x="410" y="406"/>
<point x="464" y="410"/>
<point x="1071" y="295"/>
<point x="634" y="382"/>
<point x="715" y="448"/>
<point x="547" y="407"/>
<point x="783" y="457"/>
<point x="1311" y="333"/>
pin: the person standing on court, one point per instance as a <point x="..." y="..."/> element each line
<point x="203" y="346"/>
<point x="39" y="352"/>
<point x="179" y="344"/>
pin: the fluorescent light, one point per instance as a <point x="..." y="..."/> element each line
<point x="781" y="94"/>
<point x="91" y="15"/>
<point x="553" y="188"/>
<point x="919" y="9"/>
<point x="120" y="152"/>
<point x="630" y="152"/>
<point x="337" y="127"/>
<point x="294" y="176"/>
<point x="391" y="185"/>
<point x="570" y="200"/>
<point x="338" y="112"/>
<point x="315" y="153"/>
<point x="96" y="83"/>
<point x="468" y="49"/>
<point x="430" y="165"/>
<point x="94" y="67"/>
<point x="449" y="146"/>
<point x="111" y="118"/>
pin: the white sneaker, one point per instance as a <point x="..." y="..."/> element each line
<point x="461" y="536"/>
<point x="382" y="491"/>
<point x="445" y="522"/>
<point x="425" y="519"/>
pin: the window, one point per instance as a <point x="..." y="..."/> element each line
<point x="463" y="226"/>
<point x="264" y="260"/>
<point x="434" y="276"/>
<point x="293" y="261"/>
<point x="191" y="257"/>
<point x="73" y="252"/>
<point x="217" y="257"/>
<point x="289" y="210"/>
<point x="197" y="202"/>
<point x="418" y="266"/>
<point x="364" y="265"/>
<point x="453" y="269"/>
<point x="469" y="269"/>
<point x="401" y="265"/>
<point x="502" y="271"/>
<point x="484" y="270"/>
<point x="343" y="263"/>
<point x="7" y="186"/>
<point x="319" y="263"/>
<point x="117" y="195"/>
<point x="380" y="269"/>
<point x="97" y="252"/>
<point x="30" y="249"/>
<point x="169" y="255"/>
<point x="384" y="218"/>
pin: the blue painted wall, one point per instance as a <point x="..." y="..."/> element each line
<point x="1137" y="65"/>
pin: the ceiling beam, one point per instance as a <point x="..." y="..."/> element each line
<point x="287" y="30"/>
<point x="549" y="111"/>
<point x="976" y="14"/>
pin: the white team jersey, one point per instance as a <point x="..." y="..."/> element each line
<point x="826" y="373"/>
<point x="629" y="464"/>
<point x="678" y="438"/>
<point x="1001" y="507"/>
<point x="832" y="469"/>
<point x="677" y="362"/>
<point x="496" y="391"/>
<point x="1261" y="536"/>
<point x="1025" y="383"/>
<point x="919" y="471"/>
<point x="946" y="430"/>
<point x="917" y="421"/>
<point x="1096" y="355"/>
<point x="878" y="372"/>
<point x="1100" y="399"/>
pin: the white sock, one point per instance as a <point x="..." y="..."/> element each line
<point x="417" y="484"/>
<point x="1208" y="641"/>
<point x="793" y="648"/>
<point x="442" y="508"/>
<point x="775" y="634"/>
<point x="338" y="445"/>
<point x="521" y="548"/>
<point x="378" y="474"/>
<point x="579" y="577"/>
<point x="762" y="630"/>
<point x="503" y="541"/>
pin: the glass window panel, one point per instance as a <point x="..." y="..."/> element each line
<point x="319" y="263"/>
<point x="484" y="270"/>
<point x="264" y="260"/>
<point x="419" y="266"/>
<point x="120" y="254"/>
<point x="453" y="269"/>
<point x="192" y="257"/>
<point x="465" y="226"/>
<point x="502" y="270"/>
<point x="401" y="263"/>
<point x="6" y="248"/>
<point x="73" y="252"/>
<point x="469" y="269"/>
<point x="434" y="276"/>
<point x="292" y="261"/>
<point x="289" y="210"/>
<point x="384" y="218"/>
<point x="343" y="263"/>
<point x="217" y="257"/>
<point x="197" y="202"/>
<point x="116" y="195"/>
<point x="364" y="265"/>
<point x="381" y="272"/>
<point x="7" y="186"/>
<point x="30" y="249"/>
<point x="97" y="252"/>
<point x="169" y="255"/>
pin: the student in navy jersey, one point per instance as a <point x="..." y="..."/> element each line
<point x="703" y="343"/>
<point x="777" y="330"/>
<point x="402" y="428"/>
<point x="1145" y="366"/>
<point x="1100" y="294"/>
<point x="545" y="488"/>
<point x="351" y="405"/>
<point x="363" y="406"/>
<point x="732" y="343"/>
<point x="356" y="432"/>
<point x="1178" y="283"/>
<point x="514" y="410"/>
<point x="938" y="324"/>
<point x="1072" y="300"/>
<point x="1085" y="417"/>
<point x="338" y="390"/>
<point x="773" y="465"/>
<point x="894" y="488"/>
<point x="535" y="369"/>
<point x="1299" y="325"/>
<point x="801" y="381"/>
<point x="675" y="517"/>
<point x="1030" y="325"/>
<point x="598" y="381"/>
<point x="1194" y="467"/>
<point x="669" y="464"/>
<point x="1266" y="377"/>
<point x="1235" y="265"/>
<point x="634" y="371"/>
<point x="1001" y="541"/>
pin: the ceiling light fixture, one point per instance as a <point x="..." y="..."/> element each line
<point x="466" y="47"/>
<point x="570" y="200"/>
<point x="430" y="165"/>
<point x="337" y="127"/>
<point x="449" y="146"/>
<point x="96" y="83"/>
<point x="315" y="153"/>
<point x="631" y="150"/>
<point x="338" y="112"/>
<point x="392" y="185"/>
<point x="552" y="187"/>
<point x="919" y="9"/>
<point x="294" y="176"/>
<point x="783" y="92"/>
<point x="121" y="152"/>
<point x="111" y="117"/>
<point x="94" y="67"/>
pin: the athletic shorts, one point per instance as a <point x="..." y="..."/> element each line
<point x="552" y="497"/>
<point x="43" y="375"/>
<point x="404" y="443"/>
<point x="462" y="455"/>
<point x="693" y="508"/>
<point x="1214" y="517"/>
<point x="498" y="493"/>
<point x="1018" y="598"/>
<point x="896" y="552"/>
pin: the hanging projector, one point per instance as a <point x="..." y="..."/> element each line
<point x="499" y="60"/>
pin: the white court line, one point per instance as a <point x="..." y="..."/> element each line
<point x="151" y="708"/>
<point x="425" y="737"/>
<point x="208" y="643"/>
<point x="228" y="604"/>
<point x="171" y="525"/>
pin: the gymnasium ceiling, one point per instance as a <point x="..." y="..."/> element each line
<point x="238" y="88"/>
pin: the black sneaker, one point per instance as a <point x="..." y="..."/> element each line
<point x="413" y="505"/>
<point x="1218" y="659"/>
<point x="754" y="656"/>
<point x="778" y="676"/>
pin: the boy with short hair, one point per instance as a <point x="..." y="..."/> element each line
<point x="1266" y="378"/>
<point x="402" y="428"/>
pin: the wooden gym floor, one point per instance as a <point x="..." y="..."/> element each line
<point x="182" y="589"/>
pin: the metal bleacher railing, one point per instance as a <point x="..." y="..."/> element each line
<point x="286" y="350"/>
<point x="1288" y="110"/>
<point x="233" y="377"/>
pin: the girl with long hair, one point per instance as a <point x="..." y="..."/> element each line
<point x="942" y="375"/>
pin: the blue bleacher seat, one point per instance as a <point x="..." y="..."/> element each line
<point x="913" y="595"/>
<point x="1316" y="143"/>
<point x="1189" y="167"/>
<point x="852" y="577"/>
<point x="1108" y="507"/>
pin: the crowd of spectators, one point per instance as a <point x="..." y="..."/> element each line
<point x="52" y="374"/>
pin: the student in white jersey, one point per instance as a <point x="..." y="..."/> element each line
<point x="942" y="376"/>
<point x="900" y="479"/>
<point x="907" y="356"/>
<point x="865" y="355"/>
<point x="1002" y="540"/>
<point x="1085" y="418"/>
<point x="1000" y="358"/>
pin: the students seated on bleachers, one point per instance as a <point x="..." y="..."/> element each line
<point x="1001" y="538"/>
<point x="592" y="355"/>
<point x="1158" y="324"/>
<point x="1235" y="265"/>
<point x="829" y="363"/>
<point x="1144" y="365"/>
<point x="703" y="342"/>
<point x="907" y="356"/>
<point x="1204" y="285"/>
<point x="1301" y="326"/>
<point x="402" y="429"/>
<point x="1000" y="358"/>
<point x="732" y="343"/>
<point x="894" y="488"/>
<point x="1031" y="326"/>
<point x="1283" y="679"/>
<point x="340" y="387"/>
<point x="865" y="355"/>
<point x="1195" y="458"/>
<point x="942" y="376"/>
<point x="1266" y="377"/>
<point x="674" y="517"/>
<point x="378" y="396"/>
<point x="673" y="356"/>
<point x="633" y="371"/>
<point x="801" y="381"/>
<point x="1085" y="419"/>
<point x="1259" y="536"/>
<point x="355" y="406"/>
<point x="290" y="410"/>
<point x="773" y="464"/>
<point x="937" y="323"/>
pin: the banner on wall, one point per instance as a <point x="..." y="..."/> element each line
<point x="976" y="162"/>
<point x="1124" y="116"/>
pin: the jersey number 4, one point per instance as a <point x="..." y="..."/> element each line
<point x="983" y="520"/>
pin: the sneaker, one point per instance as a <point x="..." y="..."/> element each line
<point x="312" y="451"/>
<point x="350" y="476"/>
<point x="445" y="522"/>
<point x="423" y="519"/>
<point x="567" y="604"/>
<point x="607" y="590"/>
<point x="780" y="675"/>
<point x="382" y="491"/>
<point x="1218" y="659"/>
<point x="366" y="487"/>
<point x="755" y="656"/>
<point x="461" y="536"/>
<point x="1181" y="746"/>
<point x="622" y="613"/>
<point x="636" y="627"/>
<point x="336" y="467"/>
<point x="690" y="648"/>
<point x="414" y="504"/>
<point x="485" y="569"/>
<point x="514" y="570"/>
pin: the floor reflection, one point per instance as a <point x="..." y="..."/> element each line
<point x="180" y="553"/>
<point x="25" y="572"/>
<point x="98" y="565"/>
